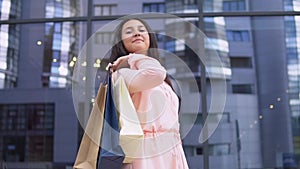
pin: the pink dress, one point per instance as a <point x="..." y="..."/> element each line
<point x="157" y="107"/>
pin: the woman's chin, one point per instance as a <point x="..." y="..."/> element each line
<point x="140" y="51"/>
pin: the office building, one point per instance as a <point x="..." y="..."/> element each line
<point x="41" y="41"/>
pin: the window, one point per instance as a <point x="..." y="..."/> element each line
<point x="196" y="119"/>
<point x="243" y="88"/>
<point x="153" y="7"/>
<point x="13" y="148"/>
<point x="170" y="46"/>
<point x="60" y="44"/>
<point x="219" y="149"/>
<point x="103" y="38"/>
<point x="9" y="55"/>
<point x="215" y="149"/>
<point x="241" y="62"/>
<point x="297" y="143"/>
<point x="197" y="88"/>
<point x="219" y="117"/>
<point x="190" y="2"/>
<point x="238" y="35"/>
<point x="226" y="117"/>
<point x="188" y="150"/>
<point x="105" y="10"/>
<point x="199" y="151"/>
<point x="234" y="5"/>
<point x="160" y="36"/>
<point x="27" y="117"/>
<point x="20" y="119"/>
<point x="40" y="148"/>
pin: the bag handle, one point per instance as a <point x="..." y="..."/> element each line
<point x="108" y="73"/>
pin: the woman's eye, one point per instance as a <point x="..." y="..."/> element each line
<point x="142" y="30"/>
<point x="128" y="32"/>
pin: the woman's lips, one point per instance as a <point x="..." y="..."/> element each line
<point x="137" y="40"/>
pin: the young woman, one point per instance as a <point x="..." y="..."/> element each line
<point x="134" y="56"/>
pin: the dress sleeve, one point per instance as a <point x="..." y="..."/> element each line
<point x="144" y="73"/>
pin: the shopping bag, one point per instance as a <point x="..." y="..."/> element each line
<point x="131" y="133"/>
<point x="89" y="146"/>
<point x="111" y="155"/>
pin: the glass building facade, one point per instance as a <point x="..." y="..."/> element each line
<point x="9" y="47"/>
<point x="60" y="44"/>
<point x="292" y="57"/>
<point x="255" y="40"/>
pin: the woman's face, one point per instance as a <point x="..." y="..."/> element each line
<point x="135" y="37"/>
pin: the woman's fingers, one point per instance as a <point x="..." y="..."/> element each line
<point x="109" y="65"/>
<point x="121" y="62"/>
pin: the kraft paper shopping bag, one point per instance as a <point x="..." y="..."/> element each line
<point x="88" y="151"/>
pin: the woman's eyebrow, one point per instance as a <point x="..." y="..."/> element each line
<point x="131" y="27"/>
<point x="141" y="26"/>
<point x="128" y="27"/>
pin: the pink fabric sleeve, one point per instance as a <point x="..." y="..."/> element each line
<point x="144" y="73"/>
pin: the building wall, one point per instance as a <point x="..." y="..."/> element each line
<point x="271" y="69"/>
<point x="30" y="90"/>
<point x="265" y="132"/>
<point x="270" y="73"/>
<point x="244" y="107"/>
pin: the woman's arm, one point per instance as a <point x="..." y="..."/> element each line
<point x="144" y="73"/>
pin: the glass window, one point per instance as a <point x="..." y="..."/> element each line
<point x="10" y="9"/>
<point x="9" y="55"/>
<point x="146" y="8"/>
<point x="242" y="5"/>
<point x="238" y="35"/>
<point x="57" y="27"/>
<point x="224" y="5"/>
<point x="229" y="36"/>
<point x="219" y="117"/>
<point x="25" y="118"/>
<point x="233" y="5"/>
<point x="51" y="8"/>
<point x="219" y="149"/>
<point x="105" y="10"/>
<point x="102" y="38"/>
<point x="60" y="48"/>
<point x="245" y="36"/>
<point x="240" y="62"/>
<point x="40" y="148"/>
<point x="160" y="36"/>
<point x="291" y="5"/>
<point x="243" y="88"/>
<point x="170" y="46"/>
<point x="13" y="148"/>
<point x="161" y="7"/>
<point x="199" y="151"/>
<point x="215" y="149"/>
<point x="153" y="7"/>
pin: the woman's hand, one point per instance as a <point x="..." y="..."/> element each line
<point x="121" y="62"/>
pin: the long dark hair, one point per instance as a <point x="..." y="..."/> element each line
<point x="119" y="49"/>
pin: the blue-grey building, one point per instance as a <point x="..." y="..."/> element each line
<point x="41" y="41"/>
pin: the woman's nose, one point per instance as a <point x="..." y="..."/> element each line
<point x="136" y="34"/>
